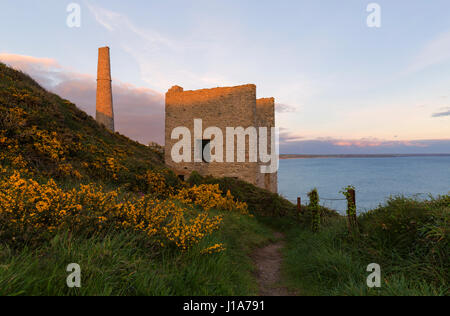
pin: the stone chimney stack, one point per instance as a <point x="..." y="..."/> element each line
<point x="105" y="112"/>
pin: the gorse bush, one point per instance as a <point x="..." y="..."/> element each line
<point x="410" y="239"/>
<point x="408" y="226"/>
<point x="160" y="183"/>
<point x="31" y="212"/>
<point x="259" y="201"/>
<point x="209" y="196"/>
<point x="410" y="236"/>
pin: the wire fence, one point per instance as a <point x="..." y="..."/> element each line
<point x="344" y="199"/>
<point x="348" y="209"/>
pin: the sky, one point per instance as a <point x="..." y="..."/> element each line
<point x="340" y="86"/>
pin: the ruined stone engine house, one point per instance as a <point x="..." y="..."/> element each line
<point x="222" y="108"/>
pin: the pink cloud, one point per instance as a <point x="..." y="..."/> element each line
<point x="365" y="143"/>
<point x="288" y="137"/>
<point x="139" y="111"/>
<point x="296" y="144"/>
<point x="25" y="63"/>
<point x="329" y="145"/>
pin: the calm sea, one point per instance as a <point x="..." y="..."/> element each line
<point x="375" y="179"/>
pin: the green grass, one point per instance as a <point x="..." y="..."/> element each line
<point x="409" y="239"/>
<point x="121" y="264"/>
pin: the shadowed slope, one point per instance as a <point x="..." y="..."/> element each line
<point x="51" y="138"/>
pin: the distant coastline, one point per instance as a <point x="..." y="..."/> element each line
<point x="294" y="156"/>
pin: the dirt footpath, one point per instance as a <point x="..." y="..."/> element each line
<point x="268" y="262"/>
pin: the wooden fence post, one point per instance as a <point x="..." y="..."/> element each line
<point x="352" y="200"/>
<point x="352" y="196"/>
<point x="315" y="209"/>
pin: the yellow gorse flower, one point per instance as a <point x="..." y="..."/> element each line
<point x="209" y="196"/>
<point x="214" y="249"/>
<point x="30" y="211"/>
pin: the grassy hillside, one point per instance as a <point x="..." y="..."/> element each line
<point x="48" y="137"/>
<point x="409" y="239"/>
<point x="123" y="264"/>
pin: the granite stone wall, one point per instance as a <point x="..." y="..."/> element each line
<point x="222" y="108"/>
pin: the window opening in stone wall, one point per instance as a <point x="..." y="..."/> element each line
<point x="206" y="150"/>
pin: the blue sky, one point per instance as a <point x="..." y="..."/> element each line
<point x="340" y="85"/>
